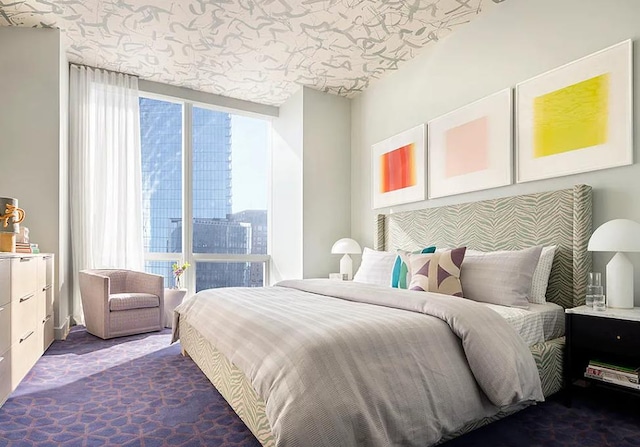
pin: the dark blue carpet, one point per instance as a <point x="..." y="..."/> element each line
<point x="139" y="391"/>
<point x="596" y="418"/>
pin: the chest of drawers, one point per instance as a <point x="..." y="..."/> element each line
<point x="26" y="315"/>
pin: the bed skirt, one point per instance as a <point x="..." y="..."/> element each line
<point x="238" y="392"/>
<point x="229" y="381"/>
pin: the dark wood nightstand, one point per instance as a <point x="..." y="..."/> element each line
<point x="611" y="336"/>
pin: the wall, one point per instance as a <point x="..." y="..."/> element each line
<point x="513" y="42"/>
<point x="326" y="181"/>
<point x="309" y="184"/>
<point x="33" y="143"/>
<point x="285" y="213"/>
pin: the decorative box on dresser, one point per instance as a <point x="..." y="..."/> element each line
<point x="26" y="315"/>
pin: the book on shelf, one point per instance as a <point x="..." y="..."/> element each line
<point x="628" y="370"/>
<point x="616" y="374"/>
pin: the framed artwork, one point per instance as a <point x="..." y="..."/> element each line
<point x="398" y="169"/>
<point x="470" y="148"/>
<point x="577" y="117"/>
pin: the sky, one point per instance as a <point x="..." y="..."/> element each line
<point x="250" y="163"/>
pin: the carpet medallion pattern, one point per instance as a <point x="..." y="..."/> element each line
<point x="129" y="391"/>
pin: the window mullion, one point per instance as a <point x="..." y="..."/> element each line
<point x="187" y="196"/>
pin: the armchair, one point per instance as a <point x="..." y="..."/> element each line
<point x="121" y="302"/>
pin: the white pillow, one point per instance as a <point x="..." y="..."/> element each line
<point x="500" y="277"/>
<point x="376" y="267"/>
<point x="540" y="279"/>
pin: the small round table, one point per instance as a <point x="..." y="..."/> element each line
<point x="172" y="299"/>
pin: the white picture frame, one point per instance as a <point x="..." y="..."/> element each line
<point x="406" y="193"/>
<point x="470" y="148"/>
<point x="577" y="117"/>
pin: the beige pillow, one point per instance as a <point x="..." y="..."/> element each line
<point x="437" y="272"/>
<point x="500" y="277"/>
<point x="540" y="279"/>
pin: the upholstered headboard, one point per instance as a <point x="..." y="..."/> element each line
<point x="561" y="218"/>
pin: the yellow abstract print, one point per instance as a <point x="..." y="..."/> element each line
<point x="571" y="118"/>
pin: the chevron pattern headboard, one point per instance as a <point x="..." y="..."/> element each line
<point x="561" y="218"/>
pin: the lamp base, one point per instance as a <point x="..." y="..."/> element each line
<point x="346" y="266"/>
<point x="620" y="282"/>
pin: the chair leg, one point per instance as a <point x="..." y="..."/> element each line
<point x="184" y="352"/>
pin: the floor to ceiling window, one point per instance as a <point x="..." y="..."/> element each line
<point x="209" y="169"/>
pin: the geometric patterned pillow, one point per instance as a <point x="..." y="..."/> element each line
<point x="401" y="273"/>
<point x="437" y="272"/>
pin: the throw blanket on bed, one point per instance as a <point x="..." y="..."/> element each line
<point x="345" y="364"/>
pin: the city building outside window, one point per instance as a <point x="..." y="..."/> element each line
<point x="207" y="168"/>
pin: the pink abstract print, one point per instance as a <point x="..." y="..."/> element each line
<point x="467" y="148"/>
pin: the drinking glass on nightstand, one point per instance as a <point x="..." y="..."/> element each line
<point x="594" y="288"/>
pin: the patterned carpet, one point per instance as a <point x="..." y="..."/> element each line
<point x="139" y="391"/>
<point x="129" y="391"/>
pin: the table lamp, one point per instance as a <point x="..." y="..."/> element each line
<point x="346" y="246"/>
<point x="619" y="235"/>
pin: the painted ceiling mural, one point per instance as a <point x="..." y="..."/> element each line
<point x="257" y="50"/>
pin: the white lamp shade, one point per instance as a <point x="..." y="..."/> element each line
<point x="346" y="246"/>
<point x="616" y="235"/>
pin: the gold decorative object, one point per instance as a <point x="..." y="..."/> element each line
<point x="10" y="218"/>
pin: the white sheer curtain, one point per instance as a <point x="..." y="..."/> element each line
<point x="105" y="173"/>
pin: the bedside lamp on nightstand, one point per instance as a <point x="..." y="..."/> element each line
<point x="620" y="235"/>
<point x="346" y="246"/>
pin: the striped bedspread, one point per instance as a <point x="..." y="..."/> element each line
<point x="345" y="364"/>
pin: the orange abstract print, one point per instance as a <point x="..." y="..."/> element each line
<point x="398" y="169"/>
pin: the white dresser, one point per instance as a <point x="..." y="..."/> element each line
<point x="26" y="315"/>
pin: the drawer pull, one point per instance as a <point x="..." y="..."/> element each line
<point x="1" y="309"/>
<point x="25" y="259"/>
<point x="25" y="298"/>
<point x="618" y="337"/>
<point x="47" y="318"/>
<point x="45" y="288"/>
<point x="26" y="336"/>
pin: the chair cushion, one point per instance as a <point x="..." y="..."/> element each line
<point x="128" y="301"/>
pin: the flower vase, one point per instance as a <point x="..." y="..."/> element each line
<point x="178" y="284"/>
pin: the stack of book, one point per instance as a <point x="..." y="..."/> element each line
<point x="610" y="373"/>
<point x="25" y="247"/>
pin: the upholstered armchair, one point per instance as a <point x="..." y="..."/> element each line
<point x="121" y="302"/>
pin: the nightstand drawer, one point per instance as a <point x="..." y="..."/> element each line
<point x="609" y="335"/>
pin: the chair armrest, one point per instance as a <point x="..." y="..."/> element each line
<point x="94" y="292"/>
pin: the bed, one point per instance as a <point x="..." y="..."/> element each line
<point x="561" y="218"/>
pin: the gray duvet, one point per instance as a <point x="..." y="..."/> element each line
<point x="346" y="364"/>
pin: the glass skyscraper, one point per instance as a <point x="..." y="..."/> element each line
<point x="215" y="229"/>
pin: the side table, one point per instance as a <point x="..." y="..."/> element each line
<point x="612" y="336"/>
<point x="172" y="299"/>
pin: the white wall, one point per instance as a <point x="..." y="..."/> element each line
<point x="513" y="42"/>
<point x="285" y="214"/>
<point x="326" y="182"/>
<point x="33" y="141"/>
<point x="310" y="184"/>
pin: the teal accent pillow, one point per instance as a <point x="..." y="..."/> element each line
<point x="401" y="269"/>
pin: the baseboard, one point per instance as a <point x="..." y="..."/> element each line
<point x="61" y="332"/>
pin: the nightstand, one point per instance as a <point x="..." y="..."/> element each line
<point x="611" y="336"/>
<point x="172" y="299"/>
